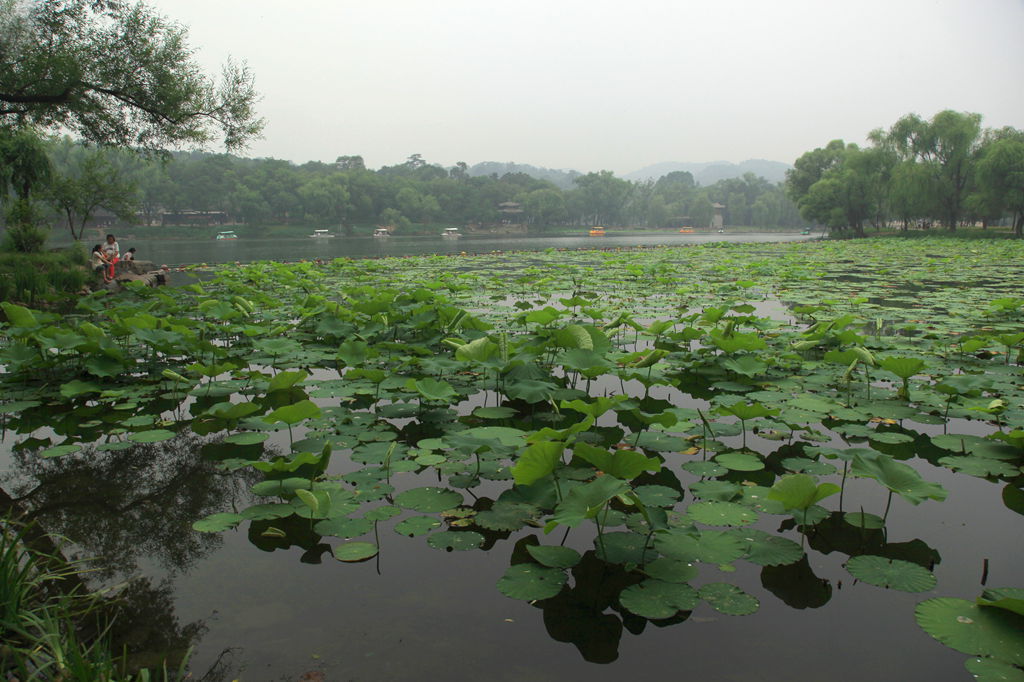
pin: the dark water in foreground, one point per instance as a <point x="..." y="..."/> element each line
<point x="183" y="252"/>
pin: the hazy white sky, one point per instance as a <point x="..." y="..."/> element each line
<point x="596" y="84"/>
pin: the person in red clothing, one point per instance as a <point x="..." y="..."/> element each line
<point x="112" y="253"/>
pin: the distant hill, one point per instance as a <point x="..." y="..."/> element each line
<point x="560" y="178"/>
<point x="712" y="171"/>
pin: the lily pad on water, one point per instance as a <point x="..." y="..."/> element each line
<point x="417" y="525"/>
<point x="894" y="574"/>
<point x="656" y="600"/>
<point x="981" y="467"/>
<point x="506" y="516"/>
<point x="428" y="499"/>
<point x="247" y="438"/>
<point x="864" y="520"/>
<point x="555" y="557"/>
<point x="151" y="436"/>
<point x="722" y="491"/>
<point x="991" y="670"/>
<point x="450" y="540"/>
<point x="973" y="629"/>
<point x="352" y="552"/>
<point x="721" y="513"/>
<point x="657" y="495"/>
<point x="740" y="461"/>
<point x="765" y="549"/>
<point x="216" y="523"/>
<point x="343" y="527"/>
<point x="710" y="546"/>
<point x="729" y="599"/>
<point x="705" y="469"/>
<point x="531" y="582"/>
<point x="60" y="450"/>
<point x="671" y="570"/>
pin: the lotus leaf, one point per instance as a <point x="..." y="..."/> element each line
<point x="531" y="582"/>
<point x="555" y="557"/>
<point x="740" y="461"/>
<point x="710" y="547"/>
<point x="721" y="514"/>
<point x="506" y="516"/>
<point x="671" y="570"/>
<point x="151" y="436"/>
<point x="729" y="599"/>
<point x="624" y="548"/>
<point x="991" y="670"/>
<point x="896" y="574"/>
<point x="657" y="600"/>
<point x="450" y="540"/>
<point x="351" y="552"/>
<point x="417" y="525"/>
<point x="973" y="629"/>
<point x="428" y="499"/>
<point x="765" y="549"/>
<point x="61" y="450"/>
<point x="216" y="523"/>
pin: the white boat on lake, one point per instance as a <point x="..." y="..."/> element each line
<point x="321" y="234"/>
<point x="381" y="232"/>
<point x="228" y="234"/>
<point x="451" y="233"/>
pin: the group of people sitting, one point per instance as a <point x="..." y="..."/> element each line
<point x="106" y="256"/>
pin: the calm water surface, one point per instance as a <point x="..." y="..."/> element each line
<point x="415" y="613"/>
<point x="184" y="252"/>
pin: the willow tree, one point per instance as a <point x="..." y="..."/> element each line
<point x="116" y="74"/>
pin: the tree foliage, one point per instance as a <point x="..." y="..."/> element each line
<point x="117" y="74"/>
<point x="947" y="169"/>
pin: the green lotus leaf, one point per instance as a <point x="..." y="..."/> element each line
<point x="808" y="466"/>
<point x="428" y="499"/>
<point x="623" y="464"/>
<point x="656" y="600"/>
<point x="494" y="412"/>
<point x="537" y="461"/>
<point x="151" y="436"/>
<point x="450" y="540"/>
<point x="890" y="437"/>
<point x="215" y="523"/>
<point x="624" y="548"/>
<point x="1009" y="598"/>
<point x="723" y="491"/>
<point x="343" y="527"/>
<point x="531" y="582"/>
<point x="765" y="549"/>
<point x="1013" y="498"/>
<point x="895" y="574"/>
<point x="721" y="514"/>
<point x="287" y="379"/>
<point x="351" y="552"/>
<point x="729" y="599"/>
<point x="981" y="467"/>
<point x="991" y="670"/>
<point x="506" y="516"/>
<point x="740" y="461"/>
<point x="708" y="469"/>
<point x="18" y="406"/>
<point x="382" y="513"/>
<point x="901" y="478"/>
<point x="555" y="557"/>
<point x="671" y="570"/>
<point x="281" y="487"/>
<point x="864" y="520"/>
<point x="417" y="525"/>
<point x="800" y="491"/>
<point x="710" y="547"/>
<point x="247" y="438"/>
<point x="657" y="495"/>
<point x="61" y="450"/>
<point x="972" y="629"/>
<point x="294" y="413"/>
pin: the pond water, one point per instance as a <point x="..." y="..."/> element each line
<point x="254" y="606"/>
<point x="186" y="252"/>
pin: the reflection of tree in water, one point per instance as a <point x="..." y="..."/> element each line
<point x="119" y="506"/>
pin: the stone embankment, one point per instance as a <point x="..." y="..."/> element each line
<point x="135" y="271"/>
